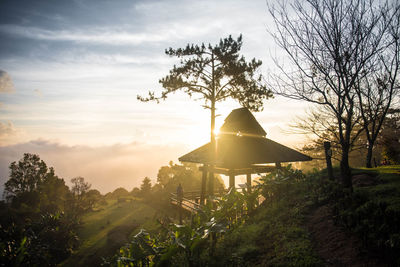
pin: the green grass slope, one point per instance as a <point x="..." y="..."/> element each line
<point x="306" y="220"/>
<point x="278" y="233"/>
<point x="372" y="212"/>
<point x="275" y="233"/>
<point x="104" y="231"/>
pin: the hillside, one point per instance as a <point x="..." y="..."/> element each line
<point x="306" y="220"/>
<point x="312" y="222"/>
<point x="105" y="230"/>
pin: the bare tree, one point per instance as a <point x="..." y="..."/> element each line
<point x="319" y="125"/>
<point x="331" y="45"/>
<point x="377" y="92"/>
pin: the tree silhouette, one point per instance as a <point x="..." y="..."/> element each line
<point x="26" y="175"/>
<point x="36" y="226"/>
<point x="145" y="187"/>
<point x="319" y="125"/>
<point x="332" y="46"/>
<point x="31" y="182"/>
<point x="79" y="187"/>
<point x="389" y="138"/>
<point x="377" y="92"/>
<point x="215" y="73"/>
<point x="79" y="190"/>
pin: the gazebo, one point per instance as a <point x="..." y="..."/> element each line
<point x="241" y="148"/>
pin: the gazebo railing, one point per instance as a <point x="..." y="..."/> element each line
<point x="191" y="199"/>
<point x="185" y="202"/>
<point x="195" y="195"/>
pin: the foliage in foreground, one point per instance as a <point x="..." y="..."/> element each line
<point x="40" y="217"/>
<point x="233" y="233"/>
<point x="372" y="212"/>
<point x="42" y="242"/>
<point x="274" y="234"/>
<point x="186" y="245"/>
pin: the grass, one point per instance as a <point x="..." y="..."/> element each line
<point x="105" y="230"/>
<point x="388" y="189"/>
<point x="276" y="235"/>
<point x="373" y="212"/>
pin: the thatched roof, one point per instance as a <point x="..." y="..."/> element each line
<point x="244" y="151"/>
<point x="241" y="120"/>
<point x="242" y="143"/>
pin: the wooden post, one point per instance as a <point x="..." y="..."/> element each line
<point x="211" y="182"/>
<point x="248" y="176"/>
<point x="203" y="185"/>
<point x="278" y="165"/>
<point x="231" y="179"/>
<point x="180" y="212"/>
<point x="179" y="198"/>
<point x="328" y="155"/>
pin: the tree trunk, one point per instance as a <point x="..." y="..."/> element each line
<point x="345" y="170"/>
<point x="213" y="151"/>
<point x="328" y="155"/>
<point x="369" y="156"/>
<point x="213" y="141"/>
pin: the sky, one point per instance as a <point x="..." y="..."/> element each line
<point x="70" y="72"/>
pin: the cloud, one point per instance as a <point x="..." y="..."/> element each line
<point x="7" y="129"/>
<point x="6" y="84"/>
<point x="9" y="134"/>
<point x="105" y="167"/>
<point x="105" y="35"/>
<point x="38" y="92"/>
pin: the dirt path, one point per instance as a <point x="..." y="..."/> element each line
<point x="334" y="246"/>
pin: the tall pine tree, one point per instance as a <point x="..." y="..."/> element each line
<point x="215" y="73"/>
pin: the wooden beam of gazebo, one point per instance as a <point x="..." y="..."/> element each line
<point x="234" y="172"/>
<point x="241" y="171"/>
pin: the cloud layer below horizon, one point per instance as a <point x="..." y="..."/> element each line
<point x="105" y="167"/>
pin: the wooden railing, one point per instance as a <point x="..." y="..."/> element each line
<point x="191" y="199"/>
<point x="186" y="203"/>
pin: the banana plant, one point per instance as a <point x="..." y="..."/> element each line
<point x="183" y="245"/>
<point x="140" y="252"/>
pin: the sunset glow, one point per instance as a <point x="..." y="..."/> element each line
<point x="199" y="133"/>
<point x="70" y="77"/>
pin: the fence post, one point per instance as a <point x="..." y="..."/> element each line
<point x="248" y="177"/>
<point x="328" y="155"/>
<point x="203" y="185"/>
<point x="231" y="180"/>
<point x="180" y="213"/>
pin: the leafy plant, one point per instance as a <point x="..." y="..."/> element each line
<point x="279" y="183"/>
<point x="44" y="242"/>
<point x="371" y="212"/>
<point x="273" y="235"/>
<point x="192" y="244"/>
